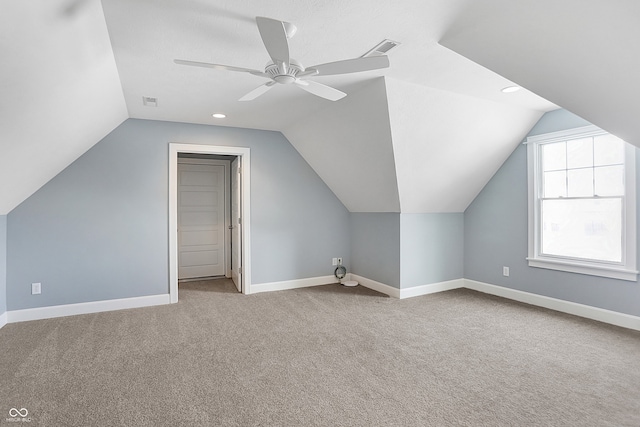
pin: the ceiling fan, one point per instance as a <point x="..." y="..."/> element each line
<point x="283" y="69"/>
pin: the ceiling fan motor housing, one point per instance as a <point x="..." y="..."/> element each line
<point x="284" y="78"/>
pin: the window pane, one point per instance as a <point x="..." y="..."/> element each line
<point x="580" y="183"/>
<point x="586" y="229"/>
<point x="608" y="150"/>
<point x="580" y="153"/>
<point x="555" y="184"/>
<point x="609" y="181"/>
<point x="554" y="156"/>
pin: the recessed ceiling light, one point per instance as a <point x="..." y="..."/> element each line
<point x="511" y="89"/>
<point x="219" y="115"/>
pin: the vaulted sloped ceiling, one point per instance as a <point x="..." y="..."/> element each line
<point x="581" y="55"/>
<point x="60" y="90"/>
<point x="393" y="146"/>
<point x="447" y="146"/>
<point x="421" y="136"/>
<point x="349" y="146"/>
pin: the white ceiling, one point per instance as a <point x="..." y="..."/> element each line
<point x="147" y="35"/>
<point x="62" y="91"/>
<point x="442" y="165"/>
<point x="349" y="145"/>
<point x="59" y="91"/>
<point x="581" y="55"/>
<point x="348" y="142"/>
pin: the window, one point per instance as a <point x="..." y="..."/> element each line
<point x="582" y="203"/>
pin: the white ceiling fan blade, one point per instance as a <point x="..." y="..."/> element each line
<point x="347" y="66"/>
<point x="274" y="37"/>
<point x="257" y="91"/>
<point x="220" y="67"/>
<point x="320" y="90"/>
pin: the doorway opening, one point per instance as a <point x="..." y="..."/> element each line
<point x="235" y="230"/>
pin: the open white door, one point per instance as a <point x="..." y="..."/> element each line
<point x="236" y="224"/>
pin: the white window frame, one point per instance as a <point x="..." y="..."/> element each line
<point x="626" y="270"/>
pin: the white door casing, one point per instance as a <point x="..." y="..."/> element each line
<point x="202" y="217"/>
<point x="236" y="224"/>
<point x="245" y="155"/>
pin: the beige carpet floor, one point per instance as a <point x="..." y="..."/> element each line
<point x="323" y="356"/>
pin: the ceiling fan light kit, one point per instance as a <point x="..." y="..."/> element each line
<point x="283" y="69"/>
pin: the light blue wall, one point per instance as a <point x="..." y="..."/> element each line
<point x="431" y="248"/>
<point x="375" y="247"/>
<point x="407" y="250"/>
<point x="495" y="233"/>
<point x="99" y="230"/>
<point x="3" y="264"/>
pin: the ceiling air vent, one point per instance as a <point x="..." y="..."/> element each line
<point x="149" y="101"/>
<point x="382" y="48"/>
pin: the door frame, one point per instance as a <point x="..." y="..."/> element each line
<point x="244" y="154"/>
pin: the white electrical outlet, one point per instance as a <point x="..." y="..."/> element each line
<point x="339" y="261"/>
<point x="505" y="271"/>
<point x="334" y="261"/>
<point x="36" y="288"/>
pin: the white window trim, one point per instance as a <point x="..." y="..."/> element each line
<point x="624" y="271"/>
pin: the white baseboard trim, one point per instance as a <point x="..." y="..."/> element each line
<point x="376" y="286"/>
<point x="594" y="313"/>
<point x="581" y="310"/>
<point x="408" y="292"/>
<point x="292" y="284"/>
<point x="589" y="312"/>
<point x="431" y="288"/>
<point x="39" y="313"/>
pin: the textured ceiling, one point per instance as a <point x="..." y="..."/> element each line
<point x="74" y="69"/>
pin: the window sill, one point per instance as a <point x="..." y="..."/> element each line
<point x="580" y="268"/>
